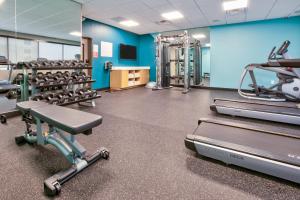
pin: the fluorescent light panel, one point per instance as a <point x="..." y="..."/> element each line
<point x="129" y="23"/>
<point x="199" y="36"/>
<point x="172" y="15"/>
<point x="75" y="33"/>
<point x="236" y="4"/>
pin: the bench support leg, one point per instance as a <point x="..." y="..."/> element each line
<point x="52" y="185"/>
<point x="68" y="146"/>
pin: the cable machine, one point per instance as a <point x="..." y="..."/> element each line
<point x="189" y="64"/>
<point x="163" y="43"/>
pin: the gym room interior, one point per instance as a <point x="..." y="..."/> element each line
<point x="150" y="99"/>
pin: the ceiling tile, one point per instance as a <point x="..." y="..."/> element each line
<point x="198" y="13"/>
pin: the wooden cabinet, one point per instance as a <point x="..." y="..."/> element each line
<point x="126" y="77"/>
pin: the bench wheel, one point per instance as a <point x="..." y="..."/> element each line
<point x="3" y="119"/>
<point x="104" y="153"/>
<point x="20" y="140"/>
<point x="53" y="191"/>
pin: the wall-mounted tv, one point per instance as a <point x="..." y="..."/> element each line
<point x="127" y="52"/>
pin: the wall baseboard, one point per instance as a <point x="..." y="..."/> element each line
<point x="103" y="89"/>
<point x="207" y="88"/>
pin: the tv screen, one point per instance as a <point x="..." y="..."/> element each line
<point x="127" y="52"/>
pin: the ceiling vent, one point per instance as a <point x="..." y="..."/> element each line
<point x="163" y="22"/>
<point x="235" y="12"/>
<point x="216" y="21"/>
<point x="118" y="19"/>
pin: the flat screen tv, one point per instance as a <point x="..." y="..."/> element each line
<point x="127" y="52"/>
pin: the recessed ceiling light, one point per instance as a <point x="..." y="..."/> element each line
<point x="129" y="23"/>
<point x="172" y="15"/>
<point x="236" y="4"/>
<point x="199" y="36"/>
<point x="207" y="45"/>
<point x="1" y="1"/>
<point x="74" y="33"/>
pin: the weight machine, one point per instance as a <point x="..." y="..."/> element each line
<point x="191" y="66"/>
<point x="163" y="62"/>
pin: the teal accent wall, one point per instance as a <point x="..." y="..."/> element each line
<point x="147" y="54"/>
<point x="235" y="46"/>
<point x="102" y="32"/>
<point x="205" y="60"/>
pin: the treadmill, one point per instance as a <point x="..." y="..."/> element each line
<point x="277" y="112"/>
<point x="284" y="112"/>
<point x="272" y="153"/>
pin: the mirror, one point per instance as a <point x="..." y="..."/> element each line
<point x="33" y="29"/>
<point x="176" y="57"/>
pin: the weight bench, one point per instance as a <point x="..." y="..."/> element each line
<point x="60" y="120"/>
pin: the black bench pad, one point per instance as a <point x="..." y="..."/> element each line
<point x="28" y="105"/>
<point x="66" y="119"/>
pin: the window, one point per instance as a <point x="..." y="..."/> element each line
<point x="70" y="52"/>
<point x="50" y="51"/>
<point x="22" y="50"/>
<point x="3" y="46"/>
<point x="3" y="50"/>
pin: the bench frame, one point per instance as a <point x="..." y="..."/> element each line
<point x="66" y="144"/>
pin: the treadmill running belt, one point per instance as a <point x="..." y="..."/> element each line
<point x="259" y="107"/>
<point x="267" y="145"/>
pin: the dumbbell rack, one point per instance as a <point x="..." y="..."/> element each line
<point x="35" y="89"/>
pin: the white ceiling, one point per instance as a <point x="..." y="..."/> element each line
<point x="198" y="13"/>
<point x="51" y="18"/>
<point x="191" y="32"/>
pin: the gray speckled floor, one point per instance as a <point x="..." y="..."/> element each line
<point x="144" y="131"/>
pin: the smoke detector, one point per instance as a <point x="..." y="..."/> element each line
<point x="163" y="22"/>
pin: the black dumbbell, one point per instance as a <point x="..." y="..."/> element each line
<point x="29" y="76"/>
<point x="85" y="77"/>
<point x="61" y="96"/>
<point x="77" y="77"/>
<point x="40" y="75"/>
<point x="59" y="73"/>
<point x="67" y="76"/>
<point x="32" y="65"/>
<point x="80" y="92"/>
<point x="19" y="77"/>
<point x="49" y="74"/>
<point x="49" y="79"/>
<point x="38" y="81"/>
<point x="66" y="73"/>
<point x="88" y="93"/>
<point x="59" y="79"/>
<point x="37" y="97"/>
<point x="27" y="65"/>
<point x="50" y="97"/>
<point x="91" y="93"/>
<point x="72" y="96"/>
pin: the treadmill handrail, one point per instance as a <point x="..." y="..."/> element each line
<point x="246" y="127"/>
